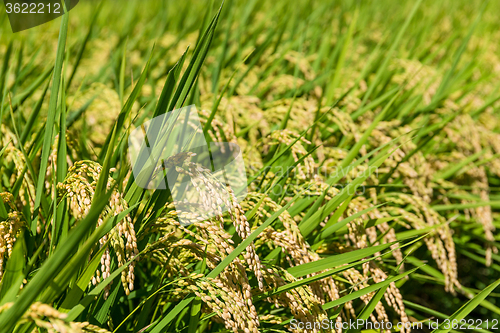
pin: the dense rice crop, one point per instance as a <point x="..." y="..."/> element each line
<point x="370" y="131"/>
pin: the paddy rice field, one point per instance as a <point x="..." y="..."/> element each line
<point x="370" y="137"/>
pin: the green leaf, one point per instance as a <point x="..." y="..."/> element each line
<point x="335" y="260"/>
<point x="368" y="309"/>
<point x="467" y="308"/>
<point x="14" y="272"/>
<point x="357" y="294"/>
<point x="51" y="117"/>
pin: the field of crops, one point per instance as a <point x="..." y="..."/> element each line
<point x="370" y="137"/>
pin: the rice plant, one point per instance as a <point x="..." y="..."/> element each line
<point x="370" y="136"/>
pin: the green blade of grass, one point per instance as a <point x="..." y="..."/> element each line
<point x="467" y="308"/>
<point x="51" y="117"/>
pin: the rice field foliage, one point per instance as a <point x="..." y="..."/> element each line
<point x="370" y="132"/>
